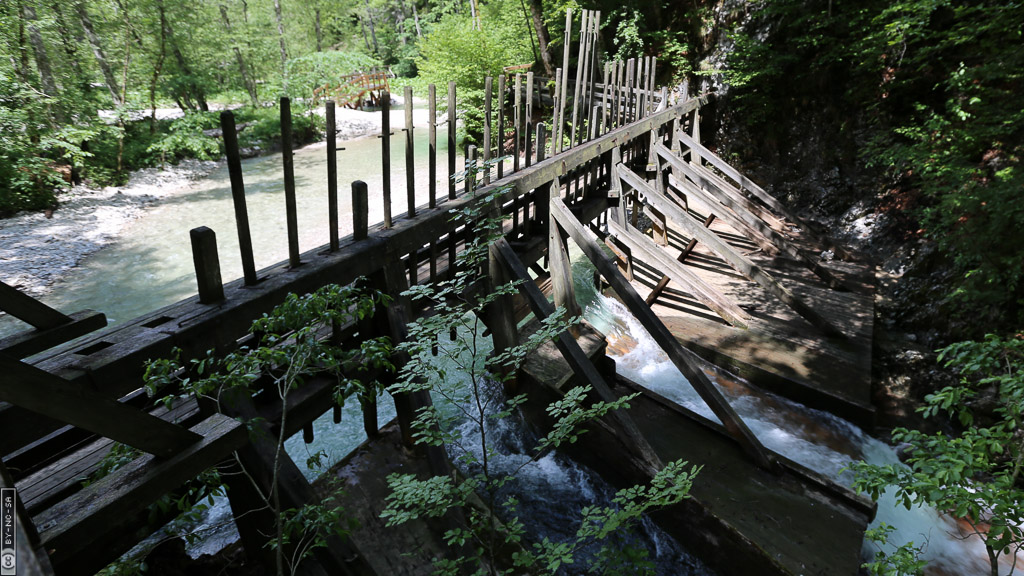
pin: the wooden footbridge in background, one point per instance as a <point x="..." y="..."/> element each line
<point x="711" y="265"/>
<point x="355" y="90"/>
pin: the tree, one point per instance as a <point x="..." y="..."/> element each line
<point x="469" y="381"/>
<point x="974" y="475"/>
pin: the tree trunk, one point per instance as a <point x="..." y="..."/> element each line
<point x="373" y="33"/>
<point x="158" y="67"/>
<point x="67" y="43"/>
<point x="319" y="32"/>
<point x="366" y="39"/>
<point x="280" y="35"/>
<point x="416" y="19"/>
<point x="192" y="88"/>
<point x="543" y="37"/>
<point x="250" y="87"/>
<point x="97" y="50"/>
<point x="39" y="48"/>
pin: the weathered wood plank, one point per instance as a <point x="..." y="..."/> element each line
<point x="686" y="361"/>
<point x="42" y="392"/>
<point x="385" y="154"/>
<point x="332" y="177"/>
<point x="32" y="342"/>
<point x="692" y="283"/>
<point x="28" y="309"/>
<point x="67" y="529"/>
<point x="742" y="264"/>
<point x="432" y="145"/>
<point x="410" y="160"/>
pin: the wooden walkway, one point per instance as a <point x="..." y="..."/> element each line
<point x="626" y="176"/>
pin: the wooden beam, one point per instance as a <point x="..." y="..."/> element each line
<point x="28" y="309"/>
<point x="692" y="283"/>
<point x="757" y="191"/>
<point x="663" y="283"/>
<point x="742" y="265"/>
<point x="687" y="362"/>
<point x="32" y="342"/>
<point x="49" y="395"/>
<point x="573" y="354"/>
<point x="716" y="194"/>
<point x="67" y="529"/>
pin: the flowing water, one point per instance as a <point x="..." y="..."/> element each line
<point x="816" y="439"/>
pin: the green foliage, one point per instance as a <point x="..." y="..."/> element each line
<point x="186" y="139"/>
<point x="973" y="475"/>
<point x="455" y="50"/>
<point x="627" y="40"/>
<point x="488" y="536"/>
<point x="289" y="347"/>
<point x="937" y="85"/>
<point x="904" y="561"/>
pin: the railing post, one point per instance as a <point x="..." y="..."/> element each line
<point x="207" y="265"/>
<point x="288" y="162"/>
<point x="332" y="175"/>
<point x="360" y="210"/>
<point x="227" y="124"/>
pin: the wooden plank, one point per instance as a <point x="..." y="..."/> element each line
<point x="573" y="354"/>
<point x="663" y="283"/>
<point x="234" y="160"/>
<point x="58" y="479"/>
<point x="488" y="143"/>
<point x="28" y="309"/>
<point x="748" y="220"/>
<point x="701" y="290"/>
<point x="32" y="342"/>
<point x="528" y="119"/>
<point x="759" y="192"/>
<point x="742" y="264"/>
<point x="42" y="392"/>
<point x="517" y="116"/>
<point x="686" y="361"/>
<point x="67" y="529"/>
<point x="288" y="163"/>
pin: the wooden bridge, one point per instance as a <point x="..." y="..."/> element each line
<point x="710" y="263"/>
<point x="355" y="90"/>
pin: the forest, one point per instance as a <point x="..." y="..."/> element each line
<point x="909" y="110"/>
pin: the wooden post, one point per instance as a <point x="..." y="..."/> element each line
<point x="332" y="175"/>
<point x="432" y="145"/>
<point x="541" y="141"/>
<point x="560" y="265"/>
<point x="371" y="426"/>
<point x="360" y="210"/>
<point x="528" y="118"/>
<point x="385" y="153"/>
<point x="556" y="108"/>
<point x="630" y="92"/>
<point x="410" y="163"/>
<point x="227" y="125"/>
<point x="558" y="129"/>
<point x="488" y="85"/>
<point x="291" y="209"/>
<point x="581" y="57"/>
<point x="207" y="265"/>
<point x="470" y="169"/>
<point x="499" y="312"/>
<point x="516" y="120"/>
<point x="500" y="146"/>
<point x="451" y="141"/>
